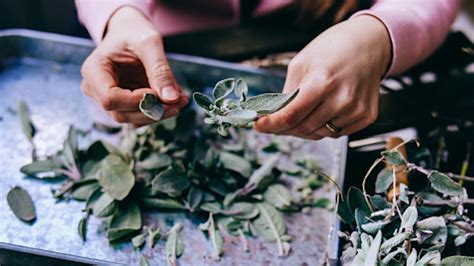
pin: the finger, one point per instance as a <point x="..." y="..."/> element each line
<point x="342" y="121"/>
<point x="150" y="51"/>
<point x="138" y="118"/>
<point x="291" y="115"/>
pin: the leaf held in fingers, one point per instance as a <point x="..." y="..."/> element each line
<point x="268" y="103"/>
<point x="241" y="89"/>
<point x="151" y="107"/>
<point x="238" y="117"/>
<point x="21" y="204"/>
<point x="443" y="184"/>
<point x="116" y="177"/>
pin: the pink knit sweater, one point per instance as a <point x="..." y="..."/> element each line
<point x="416" y="27"/>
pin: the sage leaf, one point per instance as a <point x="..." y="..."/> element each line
<point x="270" y="225"/>
<point x="374" y="227"/>
<point x="241" y="89"/>
<point x="393" y="157"/>
<point x="409" y="218"/>
<point x="431" y="257"/>
<point x="26" y="124"/>
<point x="268" y="103"/>
<point x="167" y="203"/>
<point x="154" y="161"/>
<point x="214" y="235"/>
<point x="153" y="236"/>
<point x="151" y="107"/>
<point x="372" y="254"/>
<point x="83" y="192"/>
<point x="116" y="177"/>
<point x="213" y="207"/>
<point x="443" y="184"/>
<point x="278" y="196"/>
<point x="394" y="241"/>
<point x="126" y="221"/>
<point x="437" y="225"/>
<point x="388" y="258"/>
<point x="41" y="166"/>
<point x="238" y="117"/>
<point x="104" y="206"/>
<point x="195" y="196"/>
<point x="356" y="199"/>
<point x="241" y="210"/>
<point x="171" y="181"/>
<point x="458" y="261"/>
<point x="21" y="204"/>
<point x="144" y="261"/>
<point x="139" y="240"/>
<point x="203" y="101"/>
<point x="174" y="244"/>
<point x="82" y="228"/>
<point x="222" y="89"/>
<point x="383" y="181"/>
<point x="235" y="163"/>
<point x="411" y="260"/>
<point x="259" y="176"/>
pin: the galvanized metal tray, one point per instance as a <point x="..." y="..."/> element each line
<point x="43" y="70"/>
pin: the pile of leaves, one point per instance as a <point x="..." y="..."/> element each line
<point x="406" y="224"/>
<point x="176" y="165"/>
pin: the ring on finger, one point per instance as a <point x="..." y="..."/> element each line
<point x="331" y="127"/>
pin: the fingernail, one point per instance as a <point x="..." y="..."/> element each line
<point x="169" y="93"/>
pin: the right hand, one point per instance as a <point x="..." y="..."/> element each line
<point x="129" y="62"/>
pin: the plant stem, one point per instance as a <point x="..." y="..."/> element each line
<point x="465" y="227"/>
<point x="446" y="202"/>
<point x="427" y="172"/>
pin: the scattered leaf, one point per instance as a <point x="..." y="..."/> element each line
<point x="21" y="204"/>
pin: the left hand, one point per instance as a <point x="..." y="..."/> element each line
<point x="339" y="76"/>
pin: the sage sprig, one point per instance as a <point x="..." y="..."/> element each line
<point x="226" y="111"/>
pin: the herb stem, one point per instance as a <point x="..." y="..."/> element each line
<point x="427" y="172"/>
<point x="464" y="226"/>
<point x="446" y="202"/>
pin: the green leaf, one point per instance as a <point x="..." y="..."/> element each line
<point x="167" y="203"/>
<point x="237" y="117"/>
<point x="411" y="260"/>
<point x="241" y="210"/>
<point x="344" y="211"/>
<point x="241" y="89"/>
<point x="268" y="103"/>
<point x="390" y="256"/>
<point x="213" y="207"/>
<point x="443" y="184"/>
<point x="269" y="224"/>
<point x="171" y="181"/>
<point x="458" y="261"/>
<point x="21" y="204"/>
<point x="25" y="120"/>
<point x="278" y="196"/>
<point x="153" y="236"/>
<point x="374" y="227"/>
<point x="379" y="202"/>
<point x="259" y="176"/>
<point x="356" y="199"/>
<point x="41" y="166"/>
<point x="144" y="261"/>
<point x="372" y="254"/>
<point x="409" y="218"/>
<point x="83" y="192"/>
<point x="151" y="107"/>
<point x="127" y="220"/>
<point x="393" y="157"/>
<point x="322" y="203"/>
<point x="394" y="241"/>
<point x="82" y="228"/>
<point x="104" y="206"/>
<point x="235" y="163"/>
<point x="214" y="235"/>
<point x="195" y="196"/>
<point x="431" y="257"/>
<point x="174" y="244"/>
<point x="139" y="240"/>
<point x="203" y="101"/>
<point x="383" y="181"/>
<point x="437" y="225"/>
<point x="154" y="161"/>
<point x="222" y="89"/>
<point x="116" y="177"/>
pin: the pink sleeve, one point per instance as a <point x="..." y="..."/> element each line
<point x="416" y="27"/>
<point x="95" y="14"/>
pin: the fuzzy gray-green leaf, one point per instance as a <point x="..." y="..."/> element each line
<point x="443" y="184"/>
<point x="269" y="224"/>
<point x="278" y="195"/>
<point x="372" y="254"/>
<point x="409" y="218"/>
<point x="222" y="89"/>
<point x="116" y="177"/>
<point x="238" y="117"/>
<point x="202" y="101"/>
<point x="104" y="206"/>
<point x="82" y="228"/>
<point x="235" y="163"/>
<point x="268" y="103"/>
<point x="171" y="181"/>
<point x="21" y="204"/>
<point x="458" y="261"/>
<point x="124" y="222"/>
<point x="384" y="180"/>
<point x="25" y="120"/>
<point x="174" y="244"/>
<point x="393" y="157"/>
<point x="151" y="106"/>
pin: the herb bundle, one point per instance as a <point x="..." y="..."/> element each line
<point x="242" y="188"/>
<point x="406" y="224"/>
<point x="225" y="111"/>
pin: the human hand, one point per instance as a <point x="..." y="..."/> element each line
<point x="338" y="75"/>
<point x="129" y="62"/>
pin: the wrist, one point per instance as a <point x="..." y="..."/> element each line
<point x="126" y="15"/>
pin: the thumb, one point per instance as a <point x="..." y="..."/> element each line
<point x="158" y="71"/>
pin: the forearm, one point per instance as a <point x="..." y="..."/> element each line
<point x="416" y="27"/>
<point x="94" y="15"/>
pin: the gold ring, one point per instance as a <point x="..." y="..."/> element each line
<point x="333" y="128"/>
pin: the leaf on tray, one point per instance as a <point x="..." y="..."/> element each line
<point x="21" y="204"/>
<point x="26" y="124"/>
<point x="127" y="220"/>
<point x="171" y="181"/>
<point x="116" y="177"/>
<point x="174" y="244"/>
